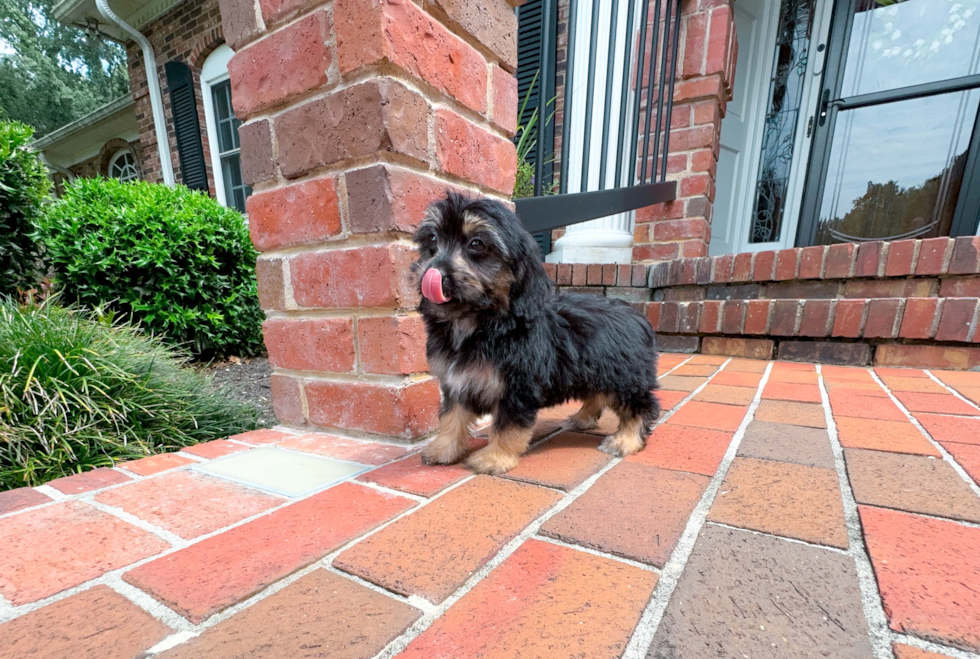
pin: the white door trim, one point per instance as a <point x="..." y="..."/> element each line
<point x="215" y="70"/>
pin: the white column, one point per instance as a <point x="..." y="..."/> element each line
<point x="609" y="239"/>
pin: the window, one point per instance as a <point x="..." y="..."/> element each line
<point x="222" y="125"/>
<point x="123" y="166"/>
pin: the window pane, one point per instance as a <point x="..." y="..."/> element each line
<point x="895" y="170"/>
<point x="235" y="189"/>
<point x="779" y="131"/>
<point x="227" y="131"/>
<point x="900" y="43"/>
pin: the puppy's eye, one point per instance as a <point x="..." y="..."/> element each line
<point x="478" y="246"/>
<point x="433" y="240"/>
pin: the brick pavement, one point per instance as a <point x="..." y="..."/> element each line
<point x="779" y="510"/>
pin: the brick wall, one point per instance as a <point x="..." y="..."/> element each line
<point x="358" y="113"/>
<point x="906" y="303"/>
<point x="188" y="34"/>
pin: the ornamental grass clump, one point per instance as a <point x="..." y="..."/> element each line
<point x="79" y="390"/>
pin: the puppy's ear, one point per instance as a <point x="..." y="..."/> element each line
<point x="531" y="283"/>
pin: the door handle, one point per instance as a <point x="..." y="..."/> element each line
<point x="824" y="106"/>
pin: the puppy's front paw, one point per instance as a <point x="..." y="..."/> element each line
<point x="495" y="463"/>
<point x="442" y="453"/>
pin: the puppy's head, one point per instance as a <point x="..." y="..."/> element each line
<point x="475" y="256"/>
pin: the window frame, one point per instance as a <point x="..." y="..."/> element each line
<point x="214" y="72"/>
<point x="118" y="154"/>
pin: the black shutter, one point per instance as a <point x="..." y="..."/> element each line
<point x="530" y="32"/>
<point x="183" y="104"/>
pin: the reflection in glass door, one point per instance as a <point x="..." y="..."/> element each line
<point x="894" y="153"/>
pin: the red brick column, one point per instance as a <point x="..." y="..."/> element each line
<point x="705" y="71"/>
<point x="358" y="113"/>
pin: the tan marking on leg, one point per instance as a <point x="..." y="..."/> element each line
<point x="587" y="417"/>
<point x="501" y="455"/>
<point x="628" y="439"/>
<point x="453" y="438"/>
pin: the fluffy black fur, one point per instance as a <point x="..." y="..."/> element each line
<point x="531" y="346"/>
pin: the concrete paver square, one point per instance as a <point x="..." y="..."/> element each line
<point x="188" y="504"/>
<point x="910" y="482"/>
<point x="927" y="572"/>
<point x="412" y="476"/>
<point x="561" y="462"/>
<point x="726" y="394"/>
<point x="51" y="549"/>
<point x="341" y="448"/>
<point x="699" y="370"/>
<point x="784" y="499"/>
<point x="275" y="470"/>
<point x="945" y="403"/>
<point x="318" y="615"/>
<point x="217" y="572"/>
<point x="737" y="379"/>
<point x="543" y="601"/>
<point x="800" y="393"/>
<point x="785" y="443"/>
<point x="878" y="435"/>
<point x="747" y="366"/>
<point x="433" y="551"/>
<point x="684" y="448"/>
<point x="749" y="595"/>
<point x="920" y="385"/>
<point x="96" y="623"/>
<point x="864" y="407"/>
<point x="633" y="510"/>
<point x="797" y="414"/>
<point x="680" y="383"/>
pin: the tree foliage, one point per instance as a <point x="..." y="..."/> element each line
<point x="52" y="74"/>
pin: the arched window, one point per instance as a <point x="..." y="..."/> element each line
<point x="122" y="166"/>
<point x="222" y="124"/>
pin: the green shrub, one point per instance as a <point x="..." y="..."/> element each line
<point x="23" y="186"/>
<point x="175" y="260"/>
<point x="79" y="391"/>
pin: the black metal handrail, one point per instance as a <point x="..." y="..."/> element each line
<point x="653" y="86"/>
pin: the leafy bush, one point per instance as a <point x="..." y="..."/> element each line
<point x="175" y="260"/>
<point x="79" y="391"/>
<point x="23" y="186"/>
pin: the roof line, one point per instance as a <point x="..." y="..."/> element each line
<point x="83" y="122"/>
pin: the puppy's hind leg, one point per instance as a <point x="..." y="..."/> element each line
<point x="635" y="423"/>
<point x="507" y="444"/>
<point x="587" y="417"/>
<point x="453" y="438"/>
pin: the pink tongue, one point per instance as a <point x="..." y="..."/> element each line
<point x="432" y="286"/>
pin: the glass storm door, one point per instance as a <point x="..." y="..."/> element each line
<point x="895" y="136"/>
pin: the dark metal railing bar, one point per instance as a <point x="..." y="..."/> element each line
<point x="670" y="95"/>
<point x="655" y="39"/>
<point x="660" y="90"/>
<point x="627" y="64"/>
<point x="639" y="90"/>
<point x="607" y="110"/>
<point x="590" y="89"/>
<point x="543" y="77"/>
<point x="567" y="108"/>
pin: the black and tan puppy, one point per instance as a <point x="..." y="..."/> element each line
<point x="502" y="341"/>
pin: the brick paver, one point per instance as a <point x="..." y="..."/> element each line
<point x="561" y="462"/>
<point x="54" y="548"/>
<point x="543" y="601"/>
<point x="23" y="497"/>
<point x="319" y="615"/>
<point x="88" y="481"/>
<point x="910" y="482"/>
<point x="98" y="622"/>
<point x="786" y="443"/>
<point x="684" y="448"/>
<point x="633" y="510"/>
<point x="215" y="573"/>
<point x="187" y="503"/>
<point x="927" y="571"/>
<point x="746" y="595"/>
<point x="434" y="551"/>
<point x="772" y="571"/>
<point x="783" y="499"/>
<point x="155" y="464"/>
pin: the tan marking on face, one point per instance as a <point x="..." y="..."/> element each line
<point x="453" y="438"/>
